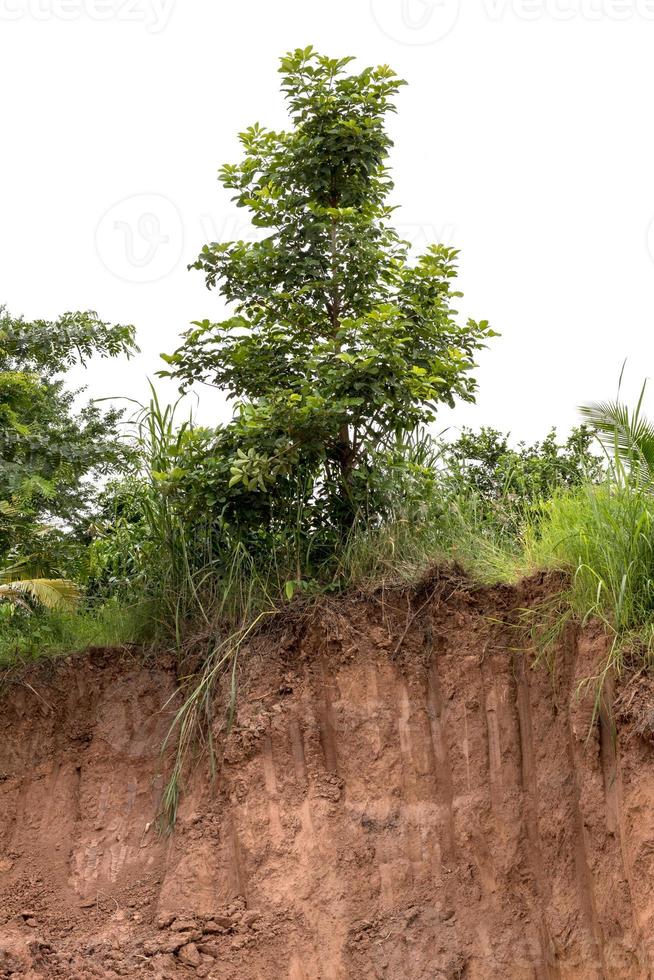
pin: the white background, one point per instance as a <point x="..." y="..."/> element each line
<point x="525" y="138"/>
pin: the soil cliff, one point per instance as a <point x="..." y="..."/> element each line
<point x="402" y="796"/>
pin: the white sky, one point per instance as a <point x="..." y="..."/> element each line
<point x="525" y="138"/>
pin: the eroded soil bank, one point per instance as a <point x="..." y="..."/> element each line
<point x="402" y="797"/>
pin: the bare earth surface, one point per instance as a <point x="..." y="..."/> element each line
<point x="402" y="797"/>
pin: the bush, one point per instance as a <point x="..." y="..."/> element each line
<point x="509" y="485"/>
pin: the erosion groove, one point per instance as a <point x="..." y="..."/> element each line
<point x="441" y="810"/>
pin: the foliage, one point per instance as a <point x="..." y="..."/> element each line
<point x="51" y="452"/>
<point x="136" y="530"/>
<point x="121" y="550"/>
<point x="338" y="346"/>
<point x="511" y="485"/>
<point x="603" y="537"/>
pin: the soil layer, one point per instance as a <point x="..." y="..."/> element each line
<point x="403" y="795"/>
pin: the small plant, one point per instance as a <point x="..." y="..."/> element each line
<point x="626" y="435"/>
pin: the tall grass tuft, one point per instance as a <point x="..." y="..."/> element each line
<point x="603" y="534"/>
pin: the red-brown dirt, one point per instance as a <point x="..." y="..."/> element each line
<point x="402" y="796"/>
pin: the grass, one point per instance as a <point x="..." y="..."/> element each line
<point x="49" y="634"/>
<point x="194" y="717"/>
<point x="239" y="600"/>
<point x="600" y="536"/>
<point x="603" y="536"/>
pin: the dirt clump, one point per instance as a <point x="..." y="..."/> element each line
<point x="402" y="796"/>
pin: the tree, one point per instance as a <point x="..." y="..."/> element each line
<point x="49" y="449"/>
<point x="339" y="345"/>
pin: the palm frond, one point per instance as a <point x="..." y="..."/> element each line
<point x="51" y="593"/>
<point x="624" y="433"/>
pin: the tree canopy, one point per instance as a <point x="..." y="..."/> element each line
<point x="339" y="344"/>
